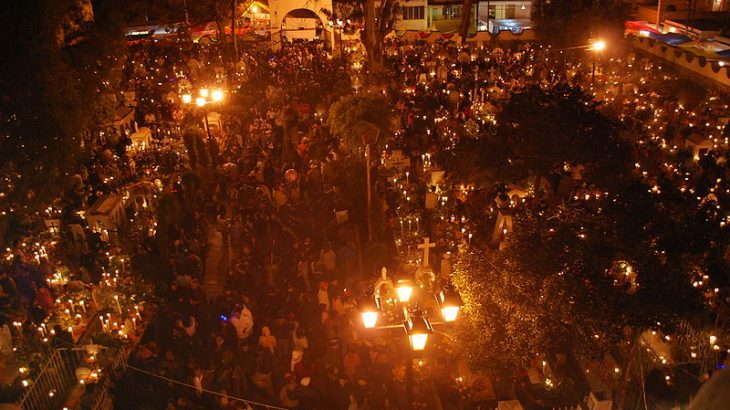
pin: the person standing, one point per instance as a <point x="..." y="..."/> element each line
<point x="242" y="321"/>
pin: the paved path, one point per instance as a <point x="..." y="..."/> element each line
<point x="217" y="263"/>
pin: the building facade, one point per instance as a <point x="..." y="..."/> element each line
<point x="445" y="16"/>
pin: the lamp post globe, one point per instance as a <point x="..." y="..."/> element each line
<point x="598" y="45"/>
<point x="418" y="328"/>
<point x="404" y="290"/>
<point x="217" y="95"/>
<point x="369" y="311"/>
<point x="450" y="303"/>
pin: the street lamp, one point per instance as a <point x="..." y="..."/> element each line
<point x="205" y="97"/>
<point x="336" y="24"/>
<point x="416" y="323"/>
<point x="596" y="46"/>
<point x="369" y="312"/>
<point x="418" y="328"/>
<point x="404" y="290"/>
<point x="450" y="303"/>
<point x="217" y="95"/>
<point x="369" y="133"/>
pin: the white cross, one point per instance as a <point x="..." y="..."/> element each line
<point x="426" y="245"/>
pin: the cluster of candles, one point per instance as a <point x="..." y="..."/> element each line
<point x="121" y="328"/>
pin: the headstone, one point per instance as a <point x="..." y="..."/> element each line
<point x="397" y="161"/>
<point x="77" y="232"/>
<point x="599" y="401"/>
<point x="431" y="200"/>
<point x="445" y="266"/>
<point x="54" y="226"/>
<point x="437" y="176"/>
<point x="426" y="246"/>
<point x="341" y="216"/>
<point x="6" y="340"/>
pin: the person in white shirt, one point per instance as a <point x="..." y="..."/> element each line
<point x="242" y="321"/>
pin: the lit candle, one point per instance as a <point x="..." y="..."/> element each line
<point x="119" y="307"/>
<point x="71" y="303"/>
<point x="82" y="304"/>
<point x="103" y="325"/>
<point x="43" y="332"/>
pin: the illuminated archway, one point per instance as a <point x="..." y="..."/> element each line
<point x="279" y="10"/>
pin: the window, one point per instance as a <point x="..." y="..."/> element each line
<point x="452" y="12"/>
<point x="413" y="13"/>
<point x="509" y="11"/>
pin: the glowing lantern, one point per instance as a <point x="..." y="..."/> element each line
<point x="418" y="328"/>
<point x="450" y="303"/>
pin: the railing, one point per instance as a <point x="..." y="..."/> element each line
<point x="57" y="380"/>
<point x="102" y="399"/>
<point x="54" y="382"/>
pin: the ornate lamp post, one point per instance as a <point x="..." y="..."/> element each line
<point x="369" y="133"/>
<point x="205" y="97"/>
<point x="596" y="46"/>
<point x="337" y="24"/>
<point x="416" y="324"/>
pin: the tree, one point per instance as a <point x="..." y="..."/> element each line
<point x="546" y="128"/>
<point x="379" y="21"/>
<point x="346" y="112"/>
<point x="552" y="289"/>
<point x="466" y="15"/>
<point x="567" y="23"/>
<point x="538" y="130"/>
<point x="52" y="90"/>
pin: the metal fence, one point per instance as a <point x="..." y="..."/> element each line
<point x="54" y="382"/>
<point x="102" y="399"/>
<point x="57" y="380"/>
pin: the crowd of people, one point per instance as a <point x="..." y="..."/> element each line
<point x="284" y="330"/>
<point x="257" y="272"/>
